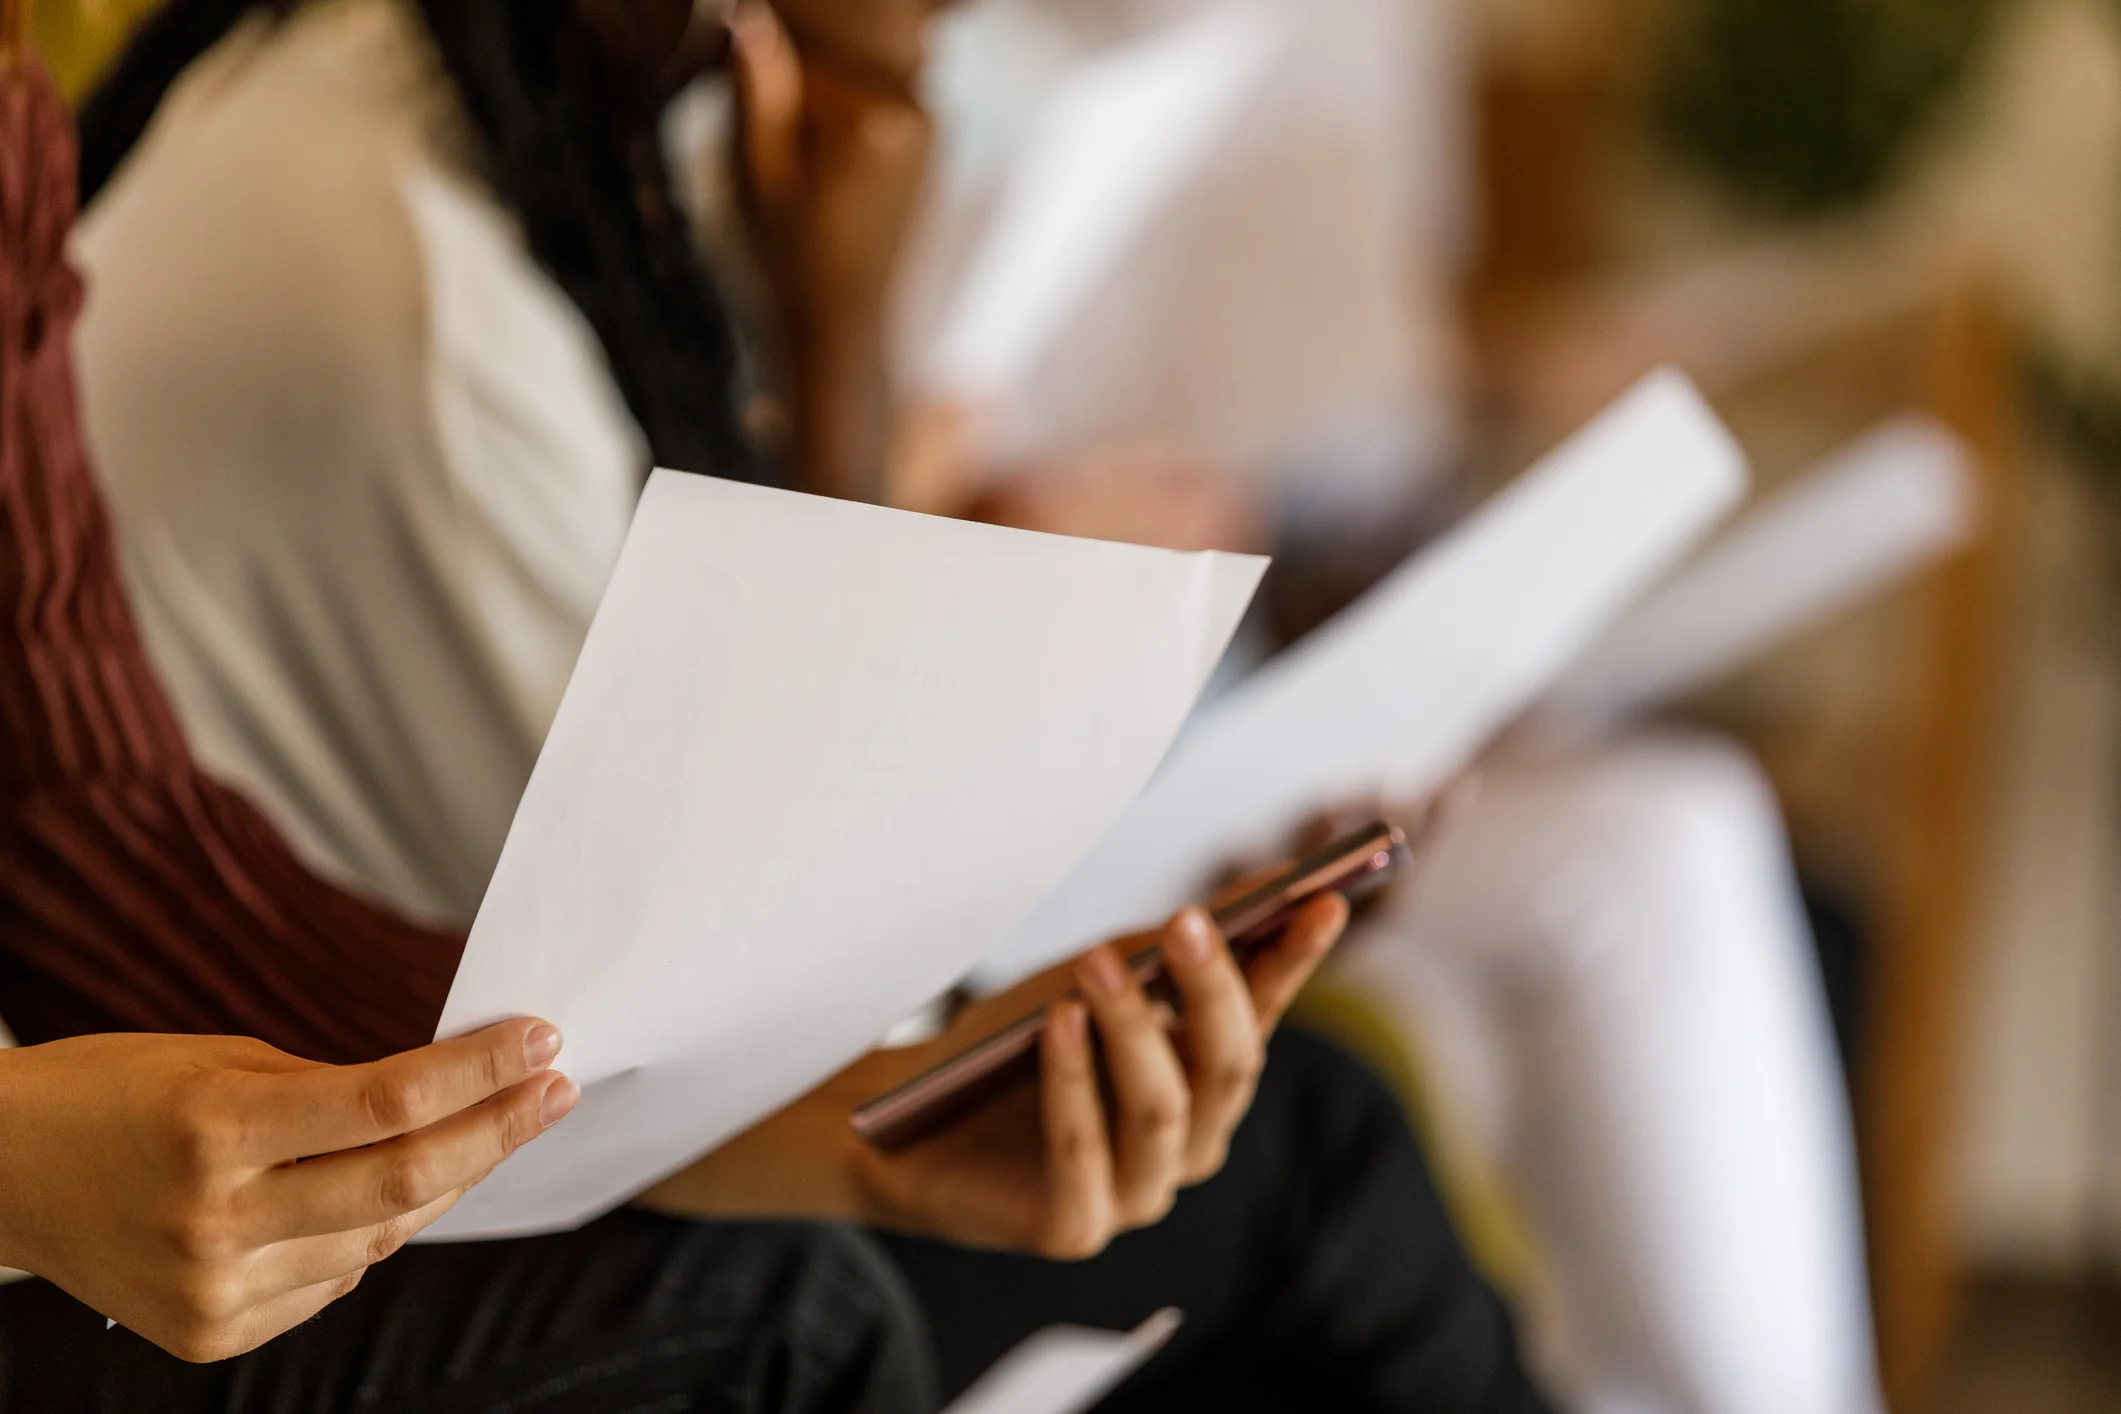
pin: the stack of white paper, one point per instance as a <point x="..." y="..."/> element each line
<point x="815" y="758"/>
<point x="1401" y="689"/>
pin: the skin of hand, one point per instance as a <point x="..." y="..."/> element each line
<point x="1422" y="817"/>
<point x="1062" y="1167"/>
<point x="1136" y="494"/>
<point x="210" y="1192"/>
<point x="832" y="148"/>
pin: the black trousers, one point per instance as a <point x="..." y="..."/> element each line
<point x="1318" y="1271"/>
<point x="634" y="1314"/>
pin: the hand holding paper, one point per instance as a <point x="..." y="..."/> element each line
<point x="1406" y="685"/>
<point x="815" y="758"/>
<point x="1094" y="1146"/>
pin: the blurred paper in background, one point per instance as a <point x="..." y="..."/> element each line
<point x="1874" y="513"/>
<point x="1401" y="689"/>
<point x="1064" y="1369"/>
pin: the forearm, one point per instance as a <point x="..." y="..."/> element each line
<point x="805" y="1161"/>
<point x="800" y="1163"/>
<point x="865" y="140"/>
<point x="24" y="1148"/>
<point x="12" y="1253"/>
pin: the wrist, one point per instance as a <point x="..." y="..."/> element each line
<point x="14" y="1244"/>
<point x="799" y="1164"/>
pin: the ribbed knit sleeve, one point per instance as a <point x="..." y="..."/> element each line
<point x="136" y="893"/>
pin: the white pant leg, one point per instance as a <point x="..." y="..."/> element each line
<point x="1606" y="967"/>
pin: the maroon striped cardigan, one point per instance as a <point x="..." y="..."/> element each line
<point x="137" y="893"/>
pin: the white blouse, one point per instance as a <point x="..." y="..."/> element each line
<point x="368" y="463"/>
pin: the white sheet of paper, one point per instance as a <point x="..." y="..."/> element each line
<point x="1889" y="503"/>
<point x="1277" y="303"/>
<point x="1064" y="1369"/>
<point x="1401" y="689"/>
<point x="814" y="759"/>
<point x="1116" y="134"/>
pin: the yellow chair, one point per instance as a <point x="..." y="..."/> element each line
<point x="78" y="38"/>
<point x="1480" y="1204"/>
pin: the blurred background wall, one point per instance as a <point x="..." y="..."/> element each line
<point x="1826" y="208"/>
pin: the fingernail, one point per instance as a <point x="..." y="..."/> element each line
<point x="1333" y="921"/>
<point x="1100" y="974"/>
<point x="541" y="1045"/>
<point x="1071" y="1025"/>
<point x="1191" y="937"/>
<point x="559" y="1099"/>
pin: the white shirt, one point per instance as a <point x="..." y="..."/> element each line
<point x="368" y="463"/>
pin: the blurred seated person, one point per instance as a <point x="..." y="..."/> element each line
<point x="391" y="306"/>
<point x="1604" y="973"/>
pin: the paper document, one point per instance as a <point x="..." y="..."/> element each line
<point x="1064" y="1369"/>
<point x="815" y="758"/>
<point x="1881" y="508"/>
<point x="1165" y="240"/>
<point x="1116" y="135"/>
<point x="1402" y="688"/>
